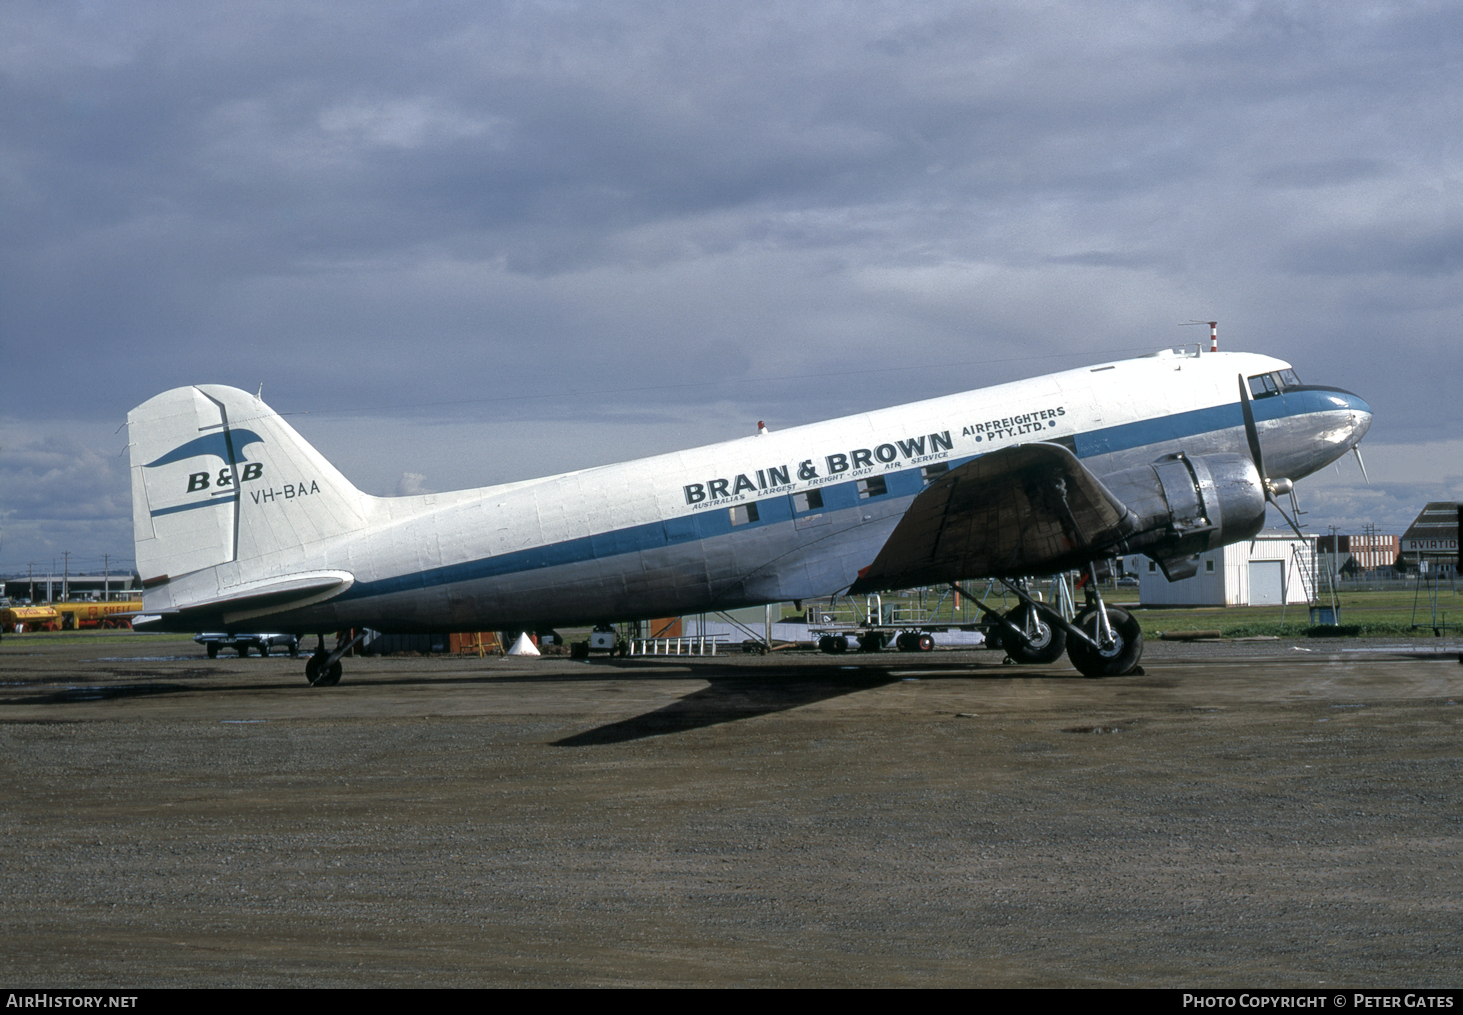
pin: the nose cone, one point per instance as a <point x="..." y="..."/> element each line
<point x="1361" y="418"/>
<point x="1350" y="418"/>
<point x="1323" y="424"/>
<point x="1353" y="416"/>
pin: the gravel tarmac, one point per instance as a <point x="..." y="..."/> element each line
<point x="1242" y="814"/>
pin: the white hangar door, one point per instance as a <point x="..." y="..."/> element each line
<point x="1267" y="582"/>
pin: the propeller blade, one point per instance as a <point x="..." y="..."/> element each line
<point x="1356" y="450"/>
<point x="1252" y="434"/>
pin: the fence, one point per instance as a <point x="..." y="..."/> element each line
<point x="696" y="645"/>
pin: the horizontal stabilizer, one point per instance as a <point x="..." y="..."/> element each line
<point x="235" y="604"/>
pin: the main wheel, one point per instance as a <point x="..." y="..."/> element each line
<point x="1047" y="641"/>
<point x="318" y="675"/>
<point x="1119" y="659"/>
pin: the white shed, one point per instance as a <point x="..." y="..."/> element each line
<point x="1272" y="568"/>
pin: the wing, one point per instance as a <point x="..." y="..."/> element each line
<point x="1028" y="509"/>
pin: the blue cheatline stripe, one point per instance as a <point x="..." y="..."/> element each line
<point x="1179" y="426"/>
<point x="773" y="510"/>
<point x="189" y="507"/>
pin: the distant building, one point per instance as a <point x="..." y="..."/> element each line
<point x="49" y="587"/>
<point x="1274" y="568"/>
<point x="1368" y="551"/>
<point x="1432" y="538"/>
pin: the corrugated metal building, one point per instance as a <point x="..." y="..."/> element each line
<point x="1273" y="568"/>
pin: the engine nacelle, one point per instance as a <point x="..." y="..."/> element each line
<point x="1186" y="505"/>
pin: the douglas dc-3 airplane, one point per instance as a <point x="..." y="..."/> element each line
<point x="241" y="525"/>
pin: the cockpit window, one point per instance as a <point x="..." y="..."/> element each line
<point x="1265" y="385"/>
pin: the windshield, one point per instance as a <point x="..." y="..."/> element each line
<point x="1265" y="385"/>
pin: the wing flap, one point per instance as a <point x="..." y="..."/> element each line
<point x="1028" y="509"/>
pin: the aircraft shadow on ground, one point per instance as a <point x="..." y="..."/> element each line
<point x="94" y="692"/>
<point x="734" y="694"/>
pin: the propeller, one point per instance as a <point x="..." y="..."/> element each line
<point x="1273" y="487"/>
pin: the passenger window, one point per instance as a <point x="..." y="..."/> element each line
<point x="810" y="501"/>
<point x="743" y="513"/>
<point x="874" y="486"/>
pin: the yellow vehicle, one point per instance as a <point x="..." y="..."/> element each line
<point x="19" y="619"/>
<point x="114" y="613"/>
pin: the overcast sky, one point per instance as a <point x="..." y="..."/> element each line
<point x="475" y="242"/>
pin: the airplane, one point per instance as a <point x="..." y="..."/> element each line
<point x="239" y="522"/>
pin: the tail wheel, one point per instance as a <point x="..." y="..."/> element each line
<point x="1119" y="659"/>
<point x="319" y="675"/>
<point x="1044" y="642"/>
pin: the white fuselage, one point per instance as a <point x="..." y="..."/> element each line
<point x="784" y="515"/>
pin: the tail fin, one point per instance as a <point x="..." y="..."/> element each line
<point x="218" y="477"/>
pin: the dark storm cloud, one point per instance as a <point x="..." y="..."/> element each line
<point x="784" y="211"/>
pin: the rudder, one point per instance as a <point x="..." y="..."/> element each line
<point x="218" y="477"/>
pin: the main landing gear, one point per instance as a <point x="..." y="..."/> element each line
<point x="1035" y="640"/>
<point x="323" y="668"/>
<point x="1103" y="641"/>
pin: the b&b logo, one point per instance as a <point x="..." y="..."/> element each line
<point x="225" y="445"/>
<point x="199" y="480"/>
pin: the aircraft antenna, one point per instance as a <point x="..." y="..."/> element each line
<point x="1213" y="333"/>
